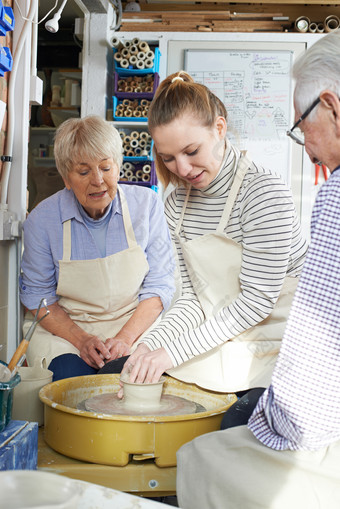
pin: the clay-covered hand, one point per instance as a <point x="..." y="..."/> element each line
<point x="149" y="366"/>
<point x="118" y="348"/>
<point x="93" y="351"/>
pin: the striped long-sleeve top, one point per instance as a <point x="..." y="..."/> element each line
<point x="265" y="223"/>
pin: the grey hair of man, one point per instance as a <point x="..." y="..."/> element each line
<point x="88" y="138"/>
<point x="316" y="70"/>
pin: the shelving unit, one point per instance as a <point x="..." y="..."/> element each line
<point x="43" y="177"/>
<point x="134" y="88"/>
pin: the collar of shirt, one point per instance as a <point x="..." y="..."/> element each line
<point x="70" y="209"/>
<point x="336" y="169"/>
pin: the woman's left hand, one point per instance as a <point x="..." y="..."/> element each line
<point x="150" y="366"/>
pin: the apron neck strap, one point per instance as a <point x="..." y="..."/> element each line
<point x="179" y="224"/>
<point x="67" y="241"/>
<point x="130" y="234"/>
<point x="240" y="172"/>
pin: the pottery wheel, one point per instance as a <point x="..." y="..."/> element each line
<point x="169" y="405"/>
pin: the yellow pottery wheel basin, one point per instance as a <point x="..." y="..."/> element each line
<point x="116" y="439"/>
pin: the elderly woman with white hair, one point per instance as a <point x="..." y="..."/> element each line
<point x="101" y="256"/>
<point x="289" y="454"/>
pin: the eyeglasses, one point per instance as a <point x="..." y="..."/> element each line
<point x="298" y="136"/>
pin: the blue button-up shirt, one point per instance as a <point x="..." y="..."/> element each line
<point x="301" y="408"/>
<point x="43" y="243"/>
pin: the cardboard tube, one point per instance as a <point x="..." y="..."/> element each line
<point x="150" y="54"/>
<point x="128" y="174"/>
<point x="126" y="53"/>
<point x="143" y="46"/>
<point x="302" y="24"/>
<point x="148" y="63"/>
<point x="141" y="55"/>
<point x="134" y="135"/>
<point x="140" y="64"/>
<point x="118" y="57"/>
<point x="320" y="28"/>
<point x="127" y="166"/>
<point x="331" y="23"/>
<point x="312" y="27"/>
<point x="146" y="178"/>
<point x="146" y="168"/>
<point x="116" y="43"/>
<point x="136" y="41"/>
<point x="124" y="63"/>
<point x="139" y="174"/>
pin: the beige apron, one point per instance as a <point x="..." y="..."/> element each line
<point x="214" y="263"/>
<point x="232" y="469"/>
<point x="99" y="295"/>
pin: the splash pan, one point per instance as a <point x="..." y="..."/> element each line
<point x="117" y="439"/>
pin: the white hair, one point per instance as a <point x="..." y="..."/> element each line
<point x="316" y="70"/>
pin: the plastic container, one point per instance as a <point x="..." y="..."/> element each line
<point x="7" y="21"/>
<point x="135" y="95"/>
<point x="142" y="133"/>
<point x="32" y="489"/>
<point x="6" y="60"/>
<point x="139" y="167"/>
<point x="138" y="72"/>
<point x="6" y="399"/>
<point x="26" y="403"/>
<point x="116" y="102"/>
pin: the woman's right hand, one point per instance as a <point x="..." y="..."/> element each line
<point x="93" y="351"/>
<point x="145" y="366"/>
<point x="130" y="363"/>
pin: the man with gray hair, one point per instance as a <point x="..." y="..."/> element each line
<point x="289" y="454"/>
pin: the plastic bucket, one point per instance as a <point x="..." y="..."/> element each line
<point x="26" y="403"/>
<point x="6" y="399"/>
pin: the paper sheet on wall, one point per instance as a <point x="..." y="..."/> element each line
<point x="256" y="89"/>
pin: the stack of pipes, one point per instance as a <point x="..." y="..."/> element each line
<point x="135" y="54"/>
<point x="304" y="24"/>
<point x="132" y="108"/>
<point x="131" y="173"/>
<point x="136" y="144"/>
<point x="136" y="84"/>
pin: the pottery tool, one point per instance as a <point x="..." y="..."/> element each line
<point x="19" y="354"/>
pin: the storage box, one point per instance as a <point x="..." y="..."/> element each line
<point x="137" y="175"/>
<point x="134" y="95"/>
<point x="19" y="446"/>
<point x="132" y="70"/>
<point x="6" y="60"/>
<point x="6" y="399"/>
<point x="7" y="21"/>
<point x="137" y="144"/>
<point x="116" y="103"/>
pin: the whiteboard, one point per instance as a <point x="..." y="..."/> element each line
<point x="256" y="88"/>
